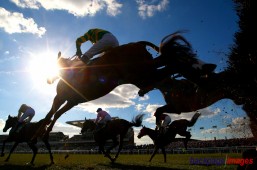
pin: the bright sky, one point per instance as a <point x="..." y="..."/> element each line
<point x="33" y="31"/>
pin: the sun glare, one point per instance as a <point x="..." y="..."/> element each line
<point x="42" y="67"/>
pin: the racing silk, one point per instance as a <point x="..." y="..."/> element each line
<point x="93" y="35"/>
<point x="23" y="108"/>
<point x="25" y="112"/>
<point x="101" y="115"/>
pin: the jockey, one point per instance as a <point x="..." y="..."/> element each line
<point x="102" y="118"/>
<point x="25" y="114"/>
<point x="163" y="123"/>
<point x="102" y="41"/>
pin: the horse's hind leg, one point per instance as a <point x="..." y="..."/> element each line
<point x="11" y="151"/>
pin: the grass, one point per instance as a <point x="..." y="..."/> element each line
<point x="124" y="162"/>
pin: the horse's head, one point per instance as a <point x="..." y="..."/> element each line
<point x="10" y="123"/>
<point x="88" y="125"/>
<point x="63" y="62"/>
<point x="142" y="132"/>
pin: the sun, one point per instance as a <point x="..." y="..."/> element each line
<point x="41" y="67"/>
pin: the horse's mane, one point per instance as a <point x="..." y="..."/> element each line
<point x="176" y="45"/>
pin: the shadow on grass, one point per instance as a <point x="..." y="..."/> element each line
<point x="22" y="167"/>
<point x="134" y="167"/>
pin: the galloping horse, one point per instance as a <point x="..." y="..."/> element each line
<point x="186" y="96"/>
<point x="127" y="64"/>
<point x="24" y="135"/>
<point x="111" y="131"/>
<point x="162" y="140"/>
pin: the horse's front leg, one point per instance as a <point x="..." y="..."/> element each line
<point x="55" y="106"/>
<point x="11" y="151"/>
<point x="106" y="154"/>
<point x="2" y="153"/>
<point x="154" y="152"/>
<point x="45" y="140"/>
<point x="114" y="144"/>
<point x="58" y="114"/>
<point x="35" y="150"/>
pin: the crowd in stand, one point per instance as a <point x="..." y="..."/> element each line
<point x="207" y="143"/>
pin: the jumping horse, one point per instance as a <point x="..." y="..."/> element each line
<point x="162" y="140"/>
<point x="24" y="135"/>
<point x="126" y="64"/>
<point x="113" y="129"/>
<point x="183" y="95"/>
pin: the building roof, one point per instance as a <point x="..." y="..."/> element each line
<point x="79" y="123"/>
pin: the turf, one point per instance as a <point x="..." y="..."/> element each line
<point x="124" y="162"/>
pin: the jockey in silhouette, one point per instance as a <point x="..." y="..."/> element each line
<point x="102" y="118"/>
<point x="163" y="122"/>
<point x="102" y="41"/>
<point x="25" y="114"/>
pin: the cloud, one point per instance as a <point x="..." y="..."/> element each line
<point x="14" y="22"/>
<point x="66" y="129"/>
<point x="149" y="8"/>
<point x="78" y="8"/>
<point x="121" y="97"/>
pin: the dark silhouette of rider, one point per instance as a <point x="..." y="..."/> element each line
<point x="102" y="41"/>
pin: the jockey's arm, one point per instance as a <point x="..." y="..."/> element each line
<point x="19" y="113"/>
<point x="79" y="41"/>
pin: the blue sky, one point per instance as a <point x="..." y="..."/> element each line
<point x="32" y="33"/>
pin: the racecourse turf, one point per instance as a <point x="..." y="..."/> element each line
<point x="124" y="162"/>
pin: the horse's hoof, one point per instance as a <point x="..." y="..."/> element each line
<point x="113" y="160"/>
<point x="30" y="164"/>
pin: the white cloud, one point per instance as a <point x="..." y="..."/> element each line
<point x="14" y="22"/>
<point x="66" y="129"/>
<point x="121" y="97"/>
<point x="149" y="8"/>
<point x="76" y="7"/>
<point x="151" y="108"/>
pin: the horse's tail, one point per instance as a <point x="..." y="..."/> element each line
<point x="137" y="121"/>
<point x="194" y="119"/>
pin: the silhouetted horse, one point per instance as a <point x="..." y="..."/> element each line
<point x="24" y="135"/>
<point x="186" y="96"/>
<point x="111" y="131"/>
<point x="127" y="64"/>
<point x="162" y="140"/>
